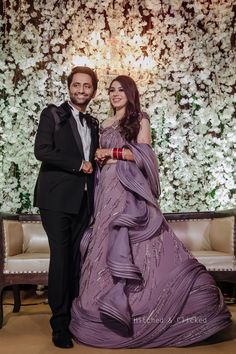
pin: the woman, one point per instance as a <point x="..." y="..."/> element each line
<point x="140" y="287"/>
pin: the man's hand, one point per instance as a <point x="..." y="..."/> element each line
<point x="87" y="167"/>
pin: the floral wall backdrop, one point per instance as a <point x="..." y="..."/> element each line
<point x="182" y="54"/>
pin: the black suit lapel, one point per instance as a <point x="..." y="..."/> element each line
<point x="67" y="114"/>
<point x="93" y="142"/>
<point x="76" y="134"/>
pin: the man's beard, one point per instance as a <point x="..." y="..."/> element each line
<point x="82" y="104"/>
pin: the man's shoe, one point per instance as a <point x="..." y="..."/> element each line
<point x="62" y="339"/>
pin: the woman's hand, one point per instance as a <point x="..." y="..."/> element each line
<point x="102" y="155"/>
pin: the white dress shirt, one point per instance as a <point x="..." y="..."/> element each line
<point x="84" y="132"/>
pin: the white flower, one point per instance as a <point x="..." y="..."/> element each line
<point x="187" y="89"/>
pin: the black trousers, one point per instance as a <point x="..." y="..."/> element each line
<point x="64" y="233"/>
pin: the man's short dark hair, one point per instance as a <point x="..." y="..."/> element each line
<point x="83" y="70"/>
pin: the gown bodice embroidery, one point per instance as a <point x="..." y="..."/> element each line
<point x="110" y="136"/>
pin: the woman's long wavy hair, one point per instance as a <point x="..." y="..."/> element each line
<point x="130" y="123"/>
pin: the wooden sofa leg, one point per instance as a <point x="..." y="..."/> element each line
<point x="17" y="300"/>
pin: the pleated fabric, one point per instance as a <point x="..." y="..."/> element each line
<point x="140" y="286"/>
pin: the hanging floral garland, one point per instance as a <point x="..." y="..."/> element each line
<point x="182" y="55"/>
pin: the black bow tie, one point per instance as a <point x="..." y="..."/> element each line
<point x="82" y="117"/>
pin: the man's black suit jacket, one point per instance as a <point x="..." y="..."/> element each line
<point x="60" y="185"/>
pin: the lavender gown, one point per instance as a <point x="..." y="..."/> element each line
<point x="140" y="287"/>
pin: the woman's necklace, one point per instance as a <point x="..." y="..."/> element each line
<point x="110" y="121"/>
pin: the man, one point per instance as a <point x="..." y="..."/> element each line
<point x="66" y="142"/>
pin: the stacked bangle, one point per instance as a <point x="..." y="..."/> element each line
<point x="118" y="153"/>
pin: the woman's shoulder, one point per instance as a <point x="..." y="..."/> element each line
<point x="143" y="115"/>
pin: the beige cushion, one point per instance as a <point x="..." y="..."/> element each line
<point x="14" y="237"/>
<point x="35" y="238"/>
<point x="222" y="234"/>
<point x="193" y="233"/>
<point x="27" y="263"/>
<point x="213" y="260"/>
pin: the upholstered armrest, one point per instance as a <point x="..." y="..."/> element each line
<point x="24" y="246"/>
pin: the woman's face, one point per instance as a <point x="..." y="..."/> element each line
<point x="117" y="96"/>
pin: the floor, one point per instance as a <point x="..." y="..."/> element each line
<point x="28" y="332"/>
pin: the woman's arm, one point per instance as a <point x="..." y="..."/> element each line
<point x="144" y="137"/>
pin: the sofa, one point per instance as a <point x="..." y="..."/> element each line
<point x="24" y="250"/>
<point x="24" y="255"/>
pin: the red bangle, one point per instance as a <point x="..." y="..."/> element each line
<point x="120" y="154"/>
<point x="115" y="153"/>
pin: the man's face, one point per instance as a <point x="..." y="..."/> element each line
<point x="81" y="90"/>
